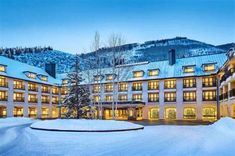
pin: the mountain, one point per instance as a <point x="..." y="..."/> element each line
<point x="156" y="50"/>
<point x="129" y="53"/>
<point x="225" y="46"/>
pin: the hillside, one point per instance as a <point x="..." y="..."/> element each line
<point x="130" y="53"/>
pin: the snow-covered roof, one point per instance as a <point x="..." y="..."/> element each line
<point x="17" y="70"/>
<point x="166" y="70"/>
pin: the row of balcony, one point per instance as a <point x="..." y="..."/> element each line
<point x="173" y="99"/>
<point x="225" y="96"/>
<point x="22" y="87"/>
<point x="227" y="74"/>
<point x="213" y="84"/>
<point x="30" y="100"/>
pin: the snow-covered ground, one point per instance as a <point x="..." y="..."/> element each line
<point x="217" y="140"/>
<point x="85" y="125"/>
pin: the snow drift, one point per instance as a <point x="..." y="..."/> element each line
<point x="82" y="125"/>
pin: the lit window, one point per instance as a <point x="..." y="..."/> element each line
<point x="153" y="72"/>
<point x="153" y="97"/>
<point x="96" y="98"/>
<point x="32" y="87"/>
<point x="209" y="81"/>
<point x="55" y="90"/>
<point x="209" y="113"/>
<point x="65" y="81"/>
<point x="45" y="89"/>
<point x="189" y="113"/>
<point x="96" y="89"/>
<point x="30" y="75"/>
<point x="170" y="97"/>
<point x="189" y="69"/>
<point x="109" y="77"/>
<point x="3" y="95"/>
<point x="170" y="84"/>
<point x="209" y="67"/>
<point x="55" y="100"/>
<point x="108" y="87"/>
<point x="18" y="97"/>
<point x="137" y="74"/>
<point x="2" y="68"/>
<point x="122" y="97"/>
<point x="154" y="113"/>
<point x="3" y="81"/>
<point x="152" y="85"/>
<point x="137" y="86"/>
<point x="137" y="97"/>
<point x="43" y="77"/>
<point x="108" y="98"/>
<point x="97" y="77"/>
<point x="18" y="84"/>
<point x="209" y="95"/>
<point x="32" y="98"/>
<point x="45" y="99"/>
<point x="189" y="83"/>
<point x="122" y="87"/>
<point x="190" y="96"/>
<point x="170" y="113"/>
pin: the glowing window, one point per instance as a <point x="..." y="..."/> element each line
<point x="189" y="69"/>
<point x="137" y="74"/>
<point x="2" y="68"/>
<point x="153" y="72"/>
<point x="209" y="67"/>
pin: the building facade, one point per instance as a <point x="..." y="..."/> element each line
<point x="27" y="91"/>
<point x="193" y="88"/>
<point x="174" y="89"/>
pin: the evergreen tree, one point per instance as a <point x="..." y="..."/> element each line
<point x="77" y="100"/>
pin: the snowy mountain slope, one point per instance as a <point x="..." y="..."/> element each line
<point x="158" y="50"/>
<point x="130" y="53"/>
<point x="63" y="60"/>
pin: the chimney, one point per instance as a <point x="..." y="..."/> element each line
<point x="51" y="69"/>
<point x="171" y="56"/>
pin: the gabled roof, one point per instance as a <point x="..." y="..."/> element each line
<point x="16" y="69"/>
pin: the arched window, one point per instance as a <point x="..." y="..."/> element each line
<point x="154" y="113"/>
<point x="189" y="113"/>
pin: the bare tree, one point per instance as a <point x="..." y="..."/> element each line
<point x="96" y="47"/>
<point x="115" y="42"/>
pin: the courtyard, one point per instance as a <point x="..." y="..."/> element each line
<point x="17" y="138"/>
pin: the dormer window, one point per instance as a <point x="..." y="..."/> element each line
<point x="97" y="77"/>
<point x="30" y="75"/>
<point x="2" y="68"/>
<point x="189" y="69"/>
<point x="137" y="74"/>
<point x="43" y="77"/>
<point x="209" y="67"/>
<point x="110" y="77"/>
<point x="153" y="72"/>
<point x="65" y="81"/>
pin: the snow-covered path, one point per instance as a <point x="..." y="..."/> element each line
<point x="216" y="140"/>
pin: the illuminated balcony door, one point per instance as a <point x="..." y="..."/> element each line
<point x="45" y="112"/>
<point x="154" y="113"/>
<point x="189" y="113"/>
<point x="170" y="113"/>
<point x="209" y="113"/>
<point x="233" y="111"/>
<point x="32" y="112"/>
<point x="55" y="112"/>
<point x="107" y="113"/>
<point x="3" y="112"/>
<point x="18" y="111"/>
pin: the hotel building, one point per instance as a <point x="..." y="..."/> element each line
<point x="192" y="88"/>
<point x="28" y="91"/>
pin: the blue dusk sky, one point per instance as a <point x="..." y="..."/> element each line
<point x="69" y="25"/>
